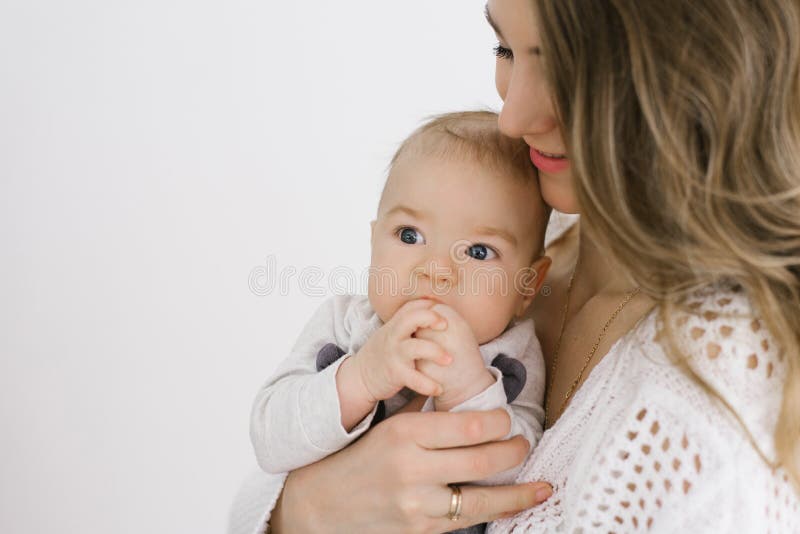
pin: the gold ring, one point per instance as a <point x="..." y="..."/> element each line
<point x="455" y="503"/>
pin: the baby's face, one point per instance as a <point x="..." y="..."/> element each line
<point x="459" y="232"/>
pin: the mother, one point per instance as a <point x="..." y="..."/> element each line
<point x="672" y="330"/>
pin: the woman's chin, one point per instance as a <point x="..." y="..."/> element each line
<point x="560" y="197"/>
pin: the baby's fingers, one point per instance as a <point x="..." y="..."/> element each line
<point x="422" y="349"/>
<point x="422" y="384"/>
<point x="407" y="323"/>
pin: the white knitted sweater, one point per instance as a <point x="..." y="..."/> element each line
<point x="642" y="446"/>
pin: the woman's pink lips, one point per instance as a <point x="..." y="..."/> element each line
<point x="543" y="163"/>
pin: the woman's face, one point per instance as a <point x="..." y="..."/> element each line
<point x="528" y="110"/>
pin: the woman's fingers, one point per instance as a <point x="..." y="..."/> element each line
<point x="481" y="504"/>
<point x="443" y="430"/>
<point x="413" y="349"/>
<point x="479" y="461"/>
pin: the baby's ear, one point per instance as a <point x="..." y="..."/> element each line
<point x="540" y="266"/>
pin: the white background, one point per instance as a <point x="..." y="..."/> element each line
<point x="152" y="155"/>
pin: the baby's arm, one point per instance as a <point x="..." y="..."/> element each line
<point x="295" y="418"/>
<point x="304" y="413"/>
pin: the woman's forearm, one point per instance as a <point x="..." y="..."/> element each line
<point x="276" y="518"/>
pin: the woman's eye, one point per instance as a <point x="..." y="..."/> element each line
<point x="482" y="252"/>
<point x="502" y="52"/>
<point x="410" y="236"/>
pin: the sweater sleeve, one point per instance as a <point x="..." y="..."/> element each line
<point x="296" y="417"/>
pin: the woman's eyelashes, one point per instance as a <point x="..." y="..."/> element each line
<point x="502" y="52"/>
<point x="411" y="236"/>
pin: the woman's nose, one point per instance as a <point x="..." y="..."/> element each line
<point x="527" y="107"/>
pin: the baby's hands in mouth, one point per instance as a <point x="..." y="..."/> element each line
<point x="387" y="361"/>
<point x="467" y="375"/>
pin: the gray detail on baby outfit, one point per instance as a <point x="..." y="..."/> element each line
<point x="380" y="414"/>
<point x="474" y="529"/>
<point x="327" y="355"/>
<point x="514" y="375"/>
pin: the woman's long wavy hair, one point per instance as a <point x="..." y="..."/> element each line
<point x="682" y="123"/>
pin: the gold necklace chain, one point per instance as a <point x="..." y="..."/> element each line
<point x="577" y="380"/>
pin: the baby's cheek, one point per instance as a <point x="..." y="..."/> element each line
<point x="488" y="302"/>
<point x="488" y="318"/>
<point x="383" y="304"/>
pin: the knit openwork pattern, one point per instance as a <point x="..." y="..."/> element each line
<point x="643" y="447"/>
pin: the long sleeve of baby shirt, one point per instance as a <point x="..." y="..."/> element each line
<point x="296" y="416"/>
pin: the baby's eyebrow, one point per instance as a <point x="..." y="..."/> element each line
<point x="498" y="232"/>
<point x="408" y="211"/>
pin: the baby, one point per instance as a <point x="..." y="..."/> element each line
<point x="457" y="250"/>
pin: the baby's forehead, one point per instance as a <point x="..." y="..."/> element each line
<point x="442" y="174"/>
<point x="518" y="207"/>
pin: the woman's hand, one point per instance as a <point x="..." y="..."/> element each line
<point x="394" y="479"/>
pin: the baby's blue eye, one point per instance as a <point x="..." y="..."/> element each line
<point x="481" y="252"/>
<point x="411" y="236"/>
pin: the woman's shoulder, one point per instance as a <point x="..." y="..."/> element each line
<point x="720" y="342"/>
<point x="711" y="359"/>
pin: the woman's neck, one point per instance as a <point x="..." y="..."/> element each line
<point x="597" y="272"/>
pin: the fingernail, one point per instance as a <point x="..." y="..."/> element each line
<point x="543" y="494"/>
<point x="440" y="325"/>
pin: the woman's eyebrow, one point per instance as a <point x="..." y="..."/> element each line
<point x="491" y="21"/>
<point x="533" y="50"/>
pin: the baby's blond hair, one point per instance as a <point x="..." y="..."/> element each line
<point x="472" y="134"/>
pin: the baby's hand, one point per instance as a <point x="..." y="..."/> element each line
<point x="386" y="362"/>
<point x="467" y="375"/>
